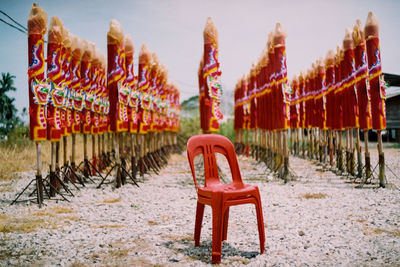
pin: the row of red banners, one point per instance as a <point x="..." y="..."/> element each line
<point x="262" y="98"/>
<point x="75" y="93"/>
<point x="346" y="90"/>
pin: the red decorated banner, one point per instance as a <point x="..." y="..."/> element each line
<point x="76" y="90"/>
<point x="86" y="81"/>
<point x="38" y="88"/>
<point x="144" y="111"/>
<point x="376" y="83"/>
<point x="363" y="94"/>
<point x="54" y="76"/>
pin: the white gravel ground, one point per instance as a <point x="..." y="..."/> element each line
<point x="153" y="224"/>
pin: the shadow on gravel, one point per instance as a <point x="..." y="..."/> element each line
<point x="203" y="252"/>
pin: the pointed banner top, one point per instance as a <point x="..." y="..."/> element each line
<point x="115" y="35"/>
<point x="371" y="26"/>
<point x="210" y="33"/>
<point x="144" y="55"/>
<point x="279" y="35"/>
<point x="55" y="30"/>
<point x="129" y="48"/>
<point x="37" y="21"/>
<point x="348" y="42"/>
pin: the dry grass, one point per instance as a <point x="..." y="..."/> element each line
<point x="180" y="237"/>
<point x="77" y="264"/>
<point x="377" y="231"/>
<point x="119" y="252"/>
<point x="101" y="226"/>
<point x="23" y="158"/>
<point x="152" y="223"/>
<point x="54" y="211"/>
<point x="71" y="218"/>
<point x="5" y="188"/>
<point x="313" y="196"/>
<point x="23" y="224"/>
<point x="110" y="200"/>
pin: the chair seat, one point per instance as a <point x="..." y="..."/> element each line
<point x="230" y="191"/>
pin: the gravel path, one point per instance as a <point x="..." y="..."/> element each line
<point x="319" y="219"/>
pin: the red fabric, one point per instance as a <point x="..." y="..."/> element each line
<point x="54" y="75"/>
<point x="378" y="94"/>
<point x="363" y="94"/>
<point x="330" y="108"/>
<point x="37" y="107"/>
<point x="350" y="111"/>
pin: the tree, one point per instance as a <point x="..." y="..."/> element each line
<point x="8" y="112"/>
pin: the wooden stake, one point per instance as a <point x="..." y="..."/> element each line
<point x="285" y="158"/>
<point x="359" y="158"/>
<point x="39" y="181"/>
<point x="367" y="157"/>
<point x="351" y="152"/>
<point x="52" y="170"/>
<point x="382" y="177"/>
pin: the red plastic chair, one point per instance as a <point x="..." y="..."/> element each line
<point x="220" y="196"/>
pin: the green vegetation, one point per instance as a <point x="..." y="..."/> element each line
<point x="9" y="119"/>
<point x="191" y="126"/>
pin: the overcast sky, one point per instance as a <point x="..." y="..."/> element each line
<point x="174" y="30"/>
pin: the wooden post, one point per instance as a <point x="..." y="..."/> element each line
<point x="86" y="169"/>
<point x="99" y="161"/>
<point x="367" y="157"/>
<point x="351" y="152"/>
<point x="73" y="177"/>
<point x="118" y="178"/>
<point x="347" y="151"/>
<point x="340" y="152"/>
<point x="359" y="157"/>
<point x="39" y="180"/>
<point x="285" y="158"/>
<point x="65" y="161"/>
<point x="310" y="144"/>
<point x="382" y="177"/>
<point x="303" y="142"/>
<point x="94" y="158"/>
<point x="331" y="148"/>
<point x="53" y="178"/>
<point x="57" y="170"/>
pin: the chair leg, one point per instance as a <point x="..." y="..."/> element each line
<point x="216" y="234"/>
<point x="260" y="224"/>
<point x="199" y="221"/>
<point x="225" y="224"/>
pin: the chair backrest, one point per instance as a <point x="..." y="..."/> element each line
<point x="208" y="145"/>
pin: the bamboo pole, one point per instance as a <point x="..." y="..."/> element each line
<point x="351" y="152"/>
<point x="347" y="151"/>
<point x="382" y="177"/>
<point x="367" y="157"/>
<point x="285" y="158"/>
<point x="359" y="157"/>
<point x="94" y="158"/>
<point x="73" y="177"/>
<point x="52" y="170"/>
<point x="39" y="180"/>
<point x="118" y="178"/>
<point x="331" y="148"/>
<point x="340" y="151"/>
